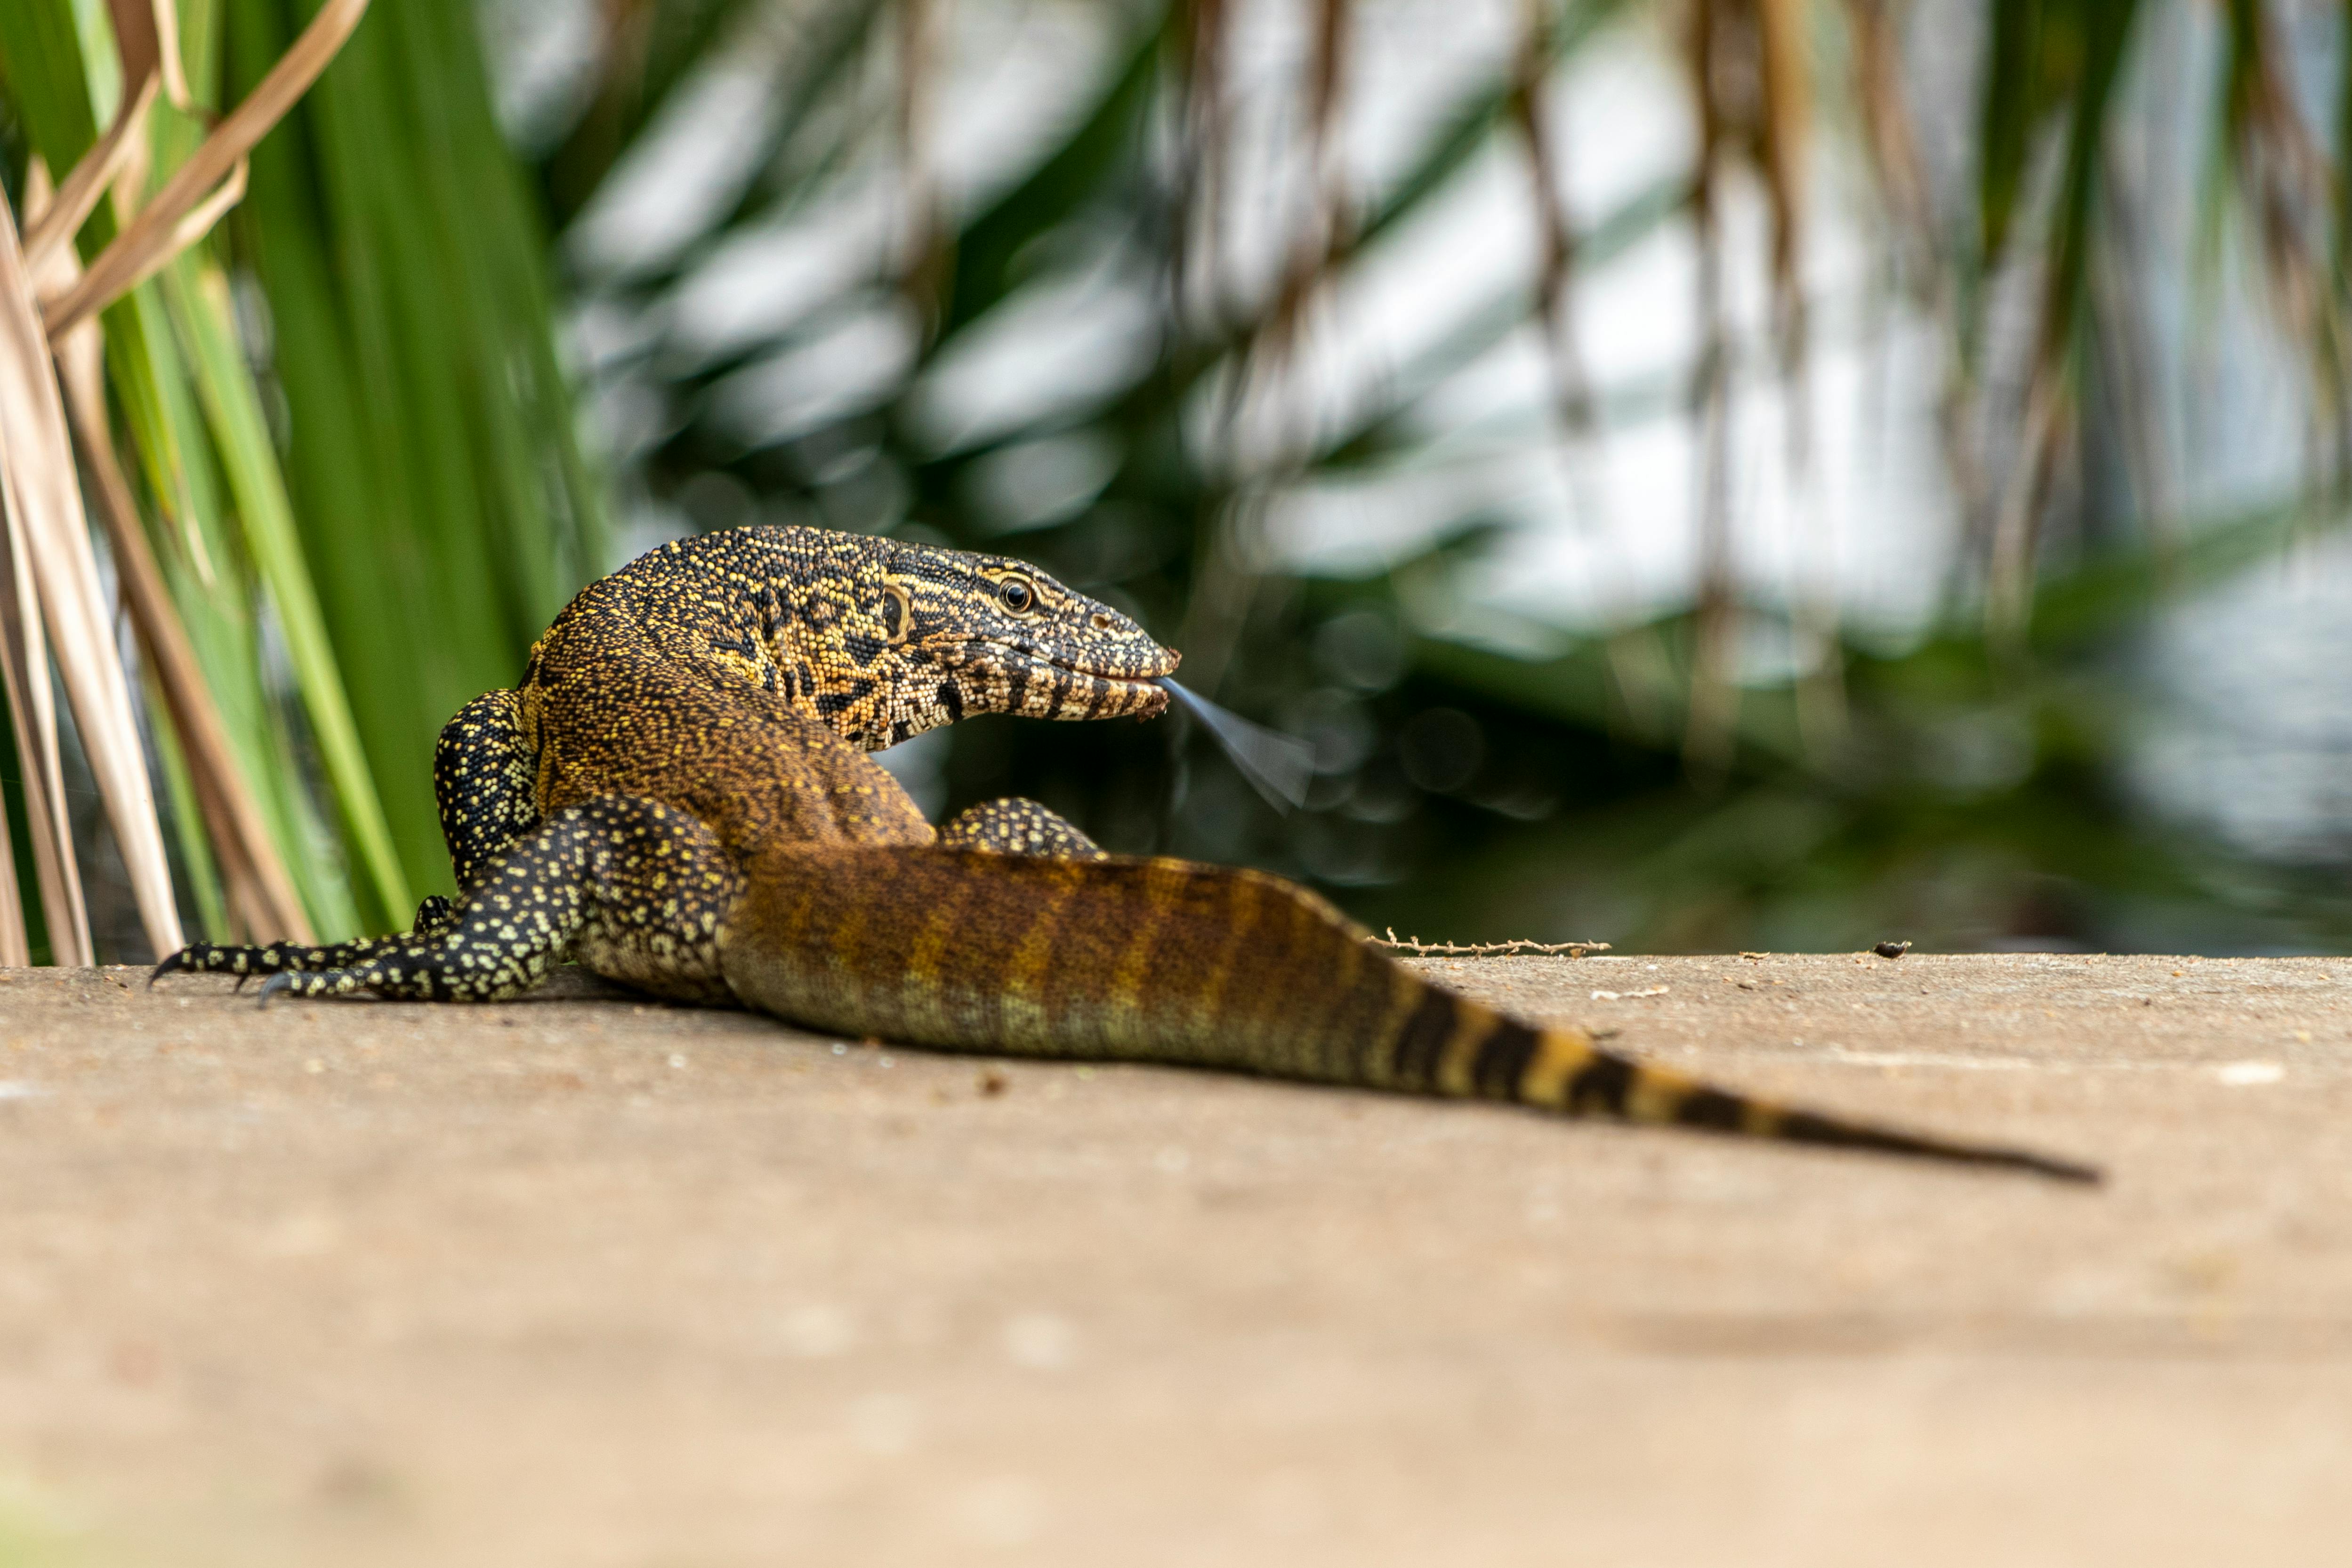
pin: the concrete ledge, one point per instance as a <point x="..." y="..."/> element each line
<point x="592" y="1281"/>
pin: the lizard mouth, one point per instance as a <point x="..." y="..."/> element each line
<point x="1131" y="690"/>
<point x="1104" y="693"/>
<point x="998" y="650"/>
<point x="1049" y="683"/>
<point x="1120" y="674"/>
<point x="1072" y="685"/>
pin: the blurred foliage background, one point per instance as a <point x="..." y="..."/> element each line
<point x="1702" y="474"/>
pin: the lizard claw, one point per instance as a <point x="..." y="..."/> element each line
<point x="170" y="966"/>
<point x="281" y="981"/>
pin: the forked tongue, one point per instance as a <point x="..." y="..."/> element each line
<point x="1277" y="766"/>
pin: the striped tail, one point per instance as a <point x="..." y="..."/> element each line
<point x="1169" y="961"/>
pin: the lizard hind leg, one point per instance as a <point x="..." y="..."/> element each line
<point x="1018" y="827"/>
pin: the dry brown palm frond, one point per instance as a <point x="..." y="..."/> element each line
<point x="628" y="37"/>
<point x="1892" y="140"/>
<point x="1784" y="147"/>
<point x="261" y="896"/>
<point x="262" y="902"/>
<point x="1555" y="233"/>
<point x="1752" y="87"/>
<point x="1264" y="413"/>
<point x="1753" y="96"/>
<point x="15" y="942"/>
<point x="2128" y="363"/>
<point x="163" y="227"/>
<point x="2289" y="187"/>
<point x="1749" y="72"/>
<point x="1322" y="234"/>
<point x="1633" y="654"/>
<point x="32" y="712"/>
<point x="46" y="500"/>
<point x="1706" y="739"/>
<point x="147" y="36"/>
<point x="1782" y="140"/>
<point x="2016" y="527"/>
<point x="53" y="223"/>
<point x="1889" y="134"/>
<point x="926" y="243"/>
<point x="2081" y="71"/>
<point x="53" y="599"/>
<point x="1196" y="271"/>
<point x="33" y="719"/>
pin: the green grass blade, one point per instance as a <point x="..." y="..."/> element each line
<point x="249" y="461"/>
<point x="439" y="494"/>
<point x="196" y="864"/>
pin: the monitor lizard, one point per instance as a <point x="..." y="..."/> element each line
<point x="678" y="795"/>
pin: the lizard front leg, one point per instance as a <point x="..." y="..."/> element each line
<point x="433" y="917"/>
<point x="483" y="773"/>
<point x="484" y="779"/>
<point x="636" y="890"/>
<point x="1018" y="827"/>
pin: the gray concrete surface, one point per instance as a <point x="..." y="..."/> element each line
<point x="593" y="1281"/>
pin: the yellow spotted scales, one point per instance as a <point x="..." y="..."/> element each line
<point x="678" y="796"/>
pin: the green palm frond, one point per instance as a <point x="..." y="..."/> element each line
<point x="351" y="433"/>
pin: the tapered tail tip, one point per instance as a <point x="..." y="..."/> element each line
<point x="1799" y="1127"/>
<point x="2042" y="1165"/>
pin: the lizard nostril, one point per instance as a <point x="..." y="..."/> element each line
<point x="1102" y="622"/>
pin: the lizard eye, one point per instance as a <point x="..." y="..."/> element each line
<point x="1016" y="595"/>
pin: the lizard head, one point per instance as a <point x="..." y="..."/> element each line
<point x="984" y="633"/>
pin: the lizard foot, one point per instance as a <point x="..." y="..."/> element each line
<point x="418" y="969"/>
<point x="338" y="982"/>
<point x="266" y="959"/>
<point x="1018" y="827"/>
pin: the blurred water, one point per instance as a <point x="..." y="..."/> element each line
<point x="2240" y="717"/>
<point x="2246" y="725"/>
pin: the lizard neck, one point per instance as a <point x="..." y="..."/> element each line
<point x="779" y="612"/>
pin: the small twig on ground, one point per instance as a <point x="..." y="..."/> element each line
<point x="1414" y="947"/>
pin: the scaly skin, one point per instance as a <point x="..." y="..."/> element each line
<point x="677" y="797"/>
